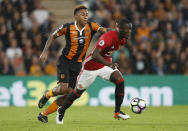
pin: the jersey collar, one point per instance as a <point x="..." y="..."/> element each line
<point x="78" y="28"/>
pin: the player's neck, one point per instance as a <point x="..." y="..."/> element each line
<point x="118" y="34"/>
<point x="79" y="25"/>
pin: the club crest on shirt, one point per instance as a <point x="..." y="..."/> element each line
<point x="62" y="76"/>
<point x="101" y="43"/>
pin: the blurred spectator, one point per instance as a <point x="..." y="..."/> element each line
<point x="28" y="53"/>
<point x="39" y="45"/>
<point x="3" y="34"/>
<point x="6" y="67"/>
<point x="178" y="21"/>
<point x="40" y="14"/>
<point x="131" y="11"/>
<point x="143" y="32"/>
<point x="35" y="68"/>
<point x="186" y="69"/>
<point x="18" y="65"/>
<point x="13" y="50"/>
<point x="159" y="67"/>
<point x="101" y="13"/>
<point x="50" y="68"/>
<point x="1" y="46"/>
<point x="26" y="21"/>
<point x="185" y="10"/>
<point x="123" y="62"/>
<point x="185" y="41"/>
<point x="140" y="64"/>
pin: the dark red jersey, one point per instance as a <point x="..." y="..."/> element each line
<point x="108" y="43"/>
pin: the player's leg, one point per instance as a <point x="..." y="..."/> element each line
<point x="73" y="78"/>
<point x="43" y="116"/>
<point x="116" y="77"/>
<point x="63" y="79"/>
<point x="85" y="79"/>
<point x="67" y="76"/>
<point x="63" y="74"/>
<point x="58" y="102"/>
<point x="74" y="70"/>
<point x="63" y="89"/>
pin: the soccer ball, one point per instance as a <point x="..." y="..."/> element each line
<point x="137" y="105"/>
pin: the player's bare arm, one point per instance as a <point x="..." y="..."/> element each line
<point x="97" y="57"/>
<point x="50" y="40"/>
<point x="104" y="30"/>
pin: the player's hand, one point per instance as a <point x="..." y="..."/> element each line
<point x="43" y="56"/>
<point x="114" y="66"/>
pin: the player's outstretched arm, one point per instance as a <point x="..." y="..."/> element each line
<point x="50" y="40"/>
<point x="104" y="30"/>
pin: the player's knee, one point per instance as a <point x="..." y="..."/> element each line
<point x="60" y="100"/>
<point x="63" y="89"/>
<point x="116" y="77"/>
<point x="119" y="80"/>
<point x="63" y="85"/>
<point x="69" y="90"/>
<point x="81" y="87"/>
<point x="78" y="92"/>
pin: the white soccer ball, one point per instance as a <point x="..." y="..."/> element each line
<point x="137" y="105"/>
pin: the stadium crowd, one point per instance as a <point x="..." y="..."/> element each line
<point x="158" y="44"/>
<point x="24" y="28"/>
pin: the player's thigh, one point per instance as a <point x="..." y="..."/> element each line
<point x="75" y="68"/>
<point x="106" y="72"/>
<point x="73" y="75"/>
<point x="85" y="79"/>
<point x="62" y="71"/>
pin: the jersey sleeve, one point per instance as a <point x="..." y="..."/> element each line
<point x="103" y="42"/>
<point x="61" y="30"/>
<point x="95" y="26"/>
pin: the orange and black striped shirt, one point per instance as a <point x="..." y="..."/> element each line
<point x="77" y="41"/>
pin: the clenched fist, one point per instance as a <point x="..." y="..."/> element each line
<point x="43" y="56"/>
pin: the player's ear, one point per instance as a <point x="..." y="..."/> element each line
<point x="116" y="25"/>
<point x="76" y="15"/>
<point x="117" y="29"/>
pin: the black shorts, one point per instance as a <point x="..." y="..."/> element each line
<point x="68" y="71"/>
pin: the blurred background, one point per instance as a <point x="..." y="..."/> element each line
<point x="158" y="45"/>
<point x="154" y="59"/>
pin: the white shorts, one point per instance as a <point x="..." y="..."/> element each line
<point x="87" y="77"/>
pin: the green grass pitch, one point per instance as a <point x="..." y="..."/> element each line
<point x="96" y="119"/>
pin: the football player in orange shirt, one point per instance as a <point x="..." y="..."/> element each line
<point x="78" y="35"/>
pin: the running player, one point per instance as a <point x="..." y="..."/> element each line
<point x="99" y="63"/>
<point x="78" y="35"/>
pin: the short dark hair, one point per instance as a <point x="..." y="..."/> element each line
<point x="79" y="7"/>
<point x="123" y="22"/>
